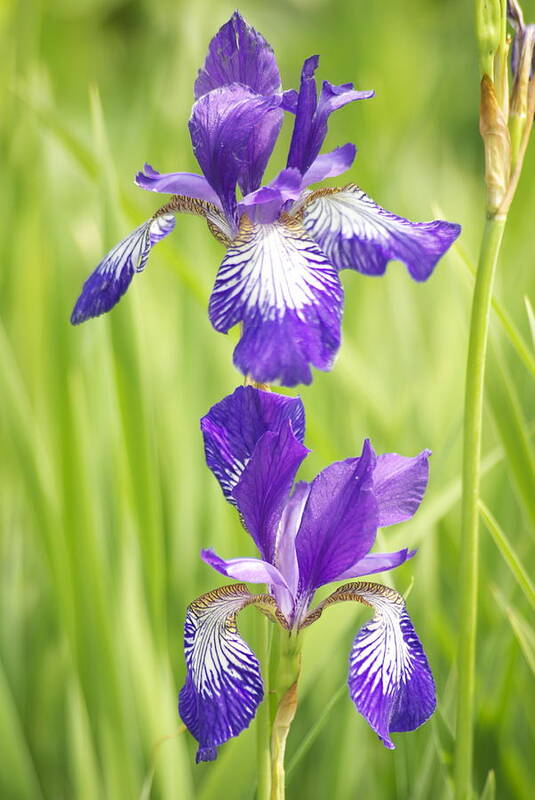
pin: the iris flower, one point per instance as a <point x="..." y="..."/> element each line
<point x="307" y="537"/>
<point x="285" y="243"/>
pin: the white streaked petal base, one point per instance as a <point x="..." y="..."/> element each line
<point x="354" y="232"/>
<point x="279" y="284"/>
<point x="223" y="683"/>
<point x="110" y="280"/>
<point x="390" y="680"/>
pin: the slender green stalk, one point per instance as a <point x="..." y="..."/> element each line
<point x="285" y="668"/>
<point x="263" y="719"/>
<point x="473" y="412"/>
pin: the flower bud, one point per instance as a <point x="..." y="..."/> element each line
<point x="490" y="32"/>
<point x="495" y="134"/>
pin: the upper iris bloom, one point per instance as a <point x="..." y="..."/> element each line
<point x="286" y="244"/>
<point x="320" y="532"/>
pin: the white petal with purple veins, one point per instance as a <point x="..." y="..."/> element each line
<point x="390" y="680"/>
<point x="110" y="280"/>
<point x="223" y="683"/>
<point x="278" y="282"/>
<point x="356" y="233"/>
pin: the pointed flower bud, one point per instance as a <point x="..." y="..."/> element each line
<point x="495" y="134"/>
<point x="490" y="32"/>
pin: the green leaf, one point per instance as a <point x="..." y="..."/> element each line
<point x="489" y="790"/>
<point x="508" y="552"/>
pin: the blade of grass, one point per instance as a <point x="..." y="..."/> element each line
<point x="489" y="790"/>
<point x="513" y="430"/>
<point x="524" y="633"/>
<point x="509" y="555"/>
<point x="20" y="782"/>
<point x="516" y="339"/>
<point x="315" y="730"/>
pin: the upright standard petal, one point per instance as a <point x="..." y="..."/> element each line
<point x="232" y="428"/>
<point x="110" y="280"/>
<point x="312" y="114"/>
<point x="356" y="233"/>
<point x="233" y="131"/>
<point x="223" y="682"/>
<point x="399" y="484"/>
<point x="339" y="521"/>
<point x="239" y="54"/>
<point x="265" y="484"/>
<point x="184" y="183"/>
<point x="278" y="283"/>
<point x="390" y="680"/>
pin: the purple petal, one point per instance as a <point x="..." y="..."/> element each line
<point x="376" y="562"/>
<point x="253" y="570"/>
<point x="264" y="205"/>
<point x="356" y="233"/>
<point x="232" y="129"/>
<point x="305" y="107"/>
<point x="110" y="280"/>
<point x="233" y="426"/>
<point x="285" y="552"/>
<point x="289" y="100"/>
<point x="185" y="183"/>
<point x="259" y="148"/>
<point x="312" y="114"/>
<point x="239" y="54"/>
<point x="399" y="484"/>
<point x="330" y="165"/>
<point x="339" y="521"/>
<point x="265" y="484"/>
<point x="223" y="685"/>
<point x="277" y="282"/>
<point x="390" y="680"/>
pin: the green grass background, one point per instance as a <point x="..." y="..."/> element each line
<point x="105" y="500"/>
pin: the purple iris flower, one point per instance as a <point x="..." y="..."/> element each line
<point x="308" y="535"/>
<point x="286" y="244"/>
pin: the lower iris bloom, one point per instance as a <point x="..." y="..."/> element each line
<point x="307" y="536"/>
<point x="286" y="244"/>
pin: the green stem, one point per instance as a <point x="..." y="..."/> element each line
<point x="263" y="716"/>
<point x="473" y="413"/>
<point x="285" y="668"/>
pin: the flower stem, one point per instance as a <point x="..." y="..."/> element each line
<point x="285" y="669"/>
<point x="473" y="413"/>
<point x="263" y="717"/>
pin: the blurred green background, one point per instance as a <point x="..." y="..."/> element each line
<point x="105" y="500"/>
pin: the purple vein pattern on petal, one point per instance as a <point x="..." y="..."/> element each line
<point x="265" y="484"/>
<point x="222" y="126"/>
<point x="390" y="680"/>
<point x="110" y="280"/>
<point x="399" y="484"/>
<point x="239" y="54"/>
<point x="356" y="233"/>
<point x="376" y="562"/>
<point x="339" y="521"/>
<point x="312" y="114"/>
<point x="233" y="426"/>
<point x="277" y="281"/>
<point x="223" y="682"/>
<point x="185" y="183"/>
